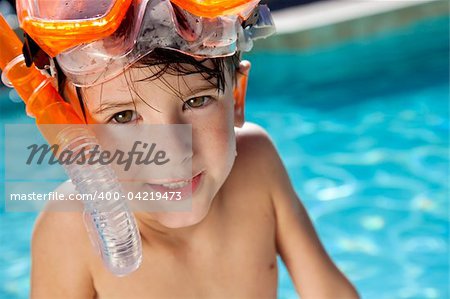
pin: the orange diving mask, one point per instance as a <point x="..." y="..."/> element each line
<point x="59" y="25"/>
<point x="95" y="40"/>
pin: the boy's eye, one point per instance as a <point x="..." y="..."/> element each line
<point x="124" y="117"/>
<point x="197" y="102"/>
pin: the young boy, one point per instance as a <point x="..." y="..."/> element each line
<point x="244" y="209"/>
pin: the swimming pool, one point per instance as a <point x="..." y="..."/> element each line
<point x="363" y="130"/>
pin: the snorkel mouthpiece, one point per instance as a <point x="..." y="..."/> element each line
<point x="111" y="225"/>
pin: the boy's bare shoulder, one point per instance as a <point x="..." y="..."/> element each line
<point x="60" y="252"/>
<point x="256" y="150"/>
<point x="252" y="135"/>
<point x="61" y="221"/>
<point x="60" y="225"/>
<point x="254" y="142"/>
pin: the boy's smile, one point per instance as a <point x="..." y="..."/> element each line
<point x="177" y="185"/>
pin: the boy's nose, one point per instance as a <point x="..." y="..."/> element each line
<point x="164" y="115"/>
<point x="174" y="142"/>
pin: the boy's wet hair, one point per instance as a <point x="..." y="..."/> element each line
<point x="176" y="63"/>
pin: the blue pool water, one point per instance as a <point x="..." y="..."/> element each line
<point x="363" y="129"/>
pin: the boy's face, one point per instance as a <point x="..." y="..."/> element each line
<point x="186" y="99"/>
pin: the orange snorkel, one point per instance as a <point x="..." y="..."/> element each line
<point x="114" y="227"/>
<point x="42" y="100"/>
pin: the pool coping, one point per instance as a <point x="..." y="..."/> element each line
<point x="330" y="22"/>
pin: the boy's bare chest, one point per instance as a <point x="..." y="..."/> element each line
<point x="235" y="258"/>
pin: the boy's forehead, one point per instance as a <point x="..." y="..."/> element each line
<point x="146" y="81"/>
<point x="188" y="75"/>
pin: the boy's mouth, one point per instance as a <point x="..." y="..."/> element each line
<point x="185" y="187"/>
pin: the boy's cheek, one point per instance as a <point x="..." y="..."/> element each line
<point x="215" y="140"/>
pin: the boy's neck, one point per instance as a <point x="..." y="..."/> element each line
<point x="153" y="230"/>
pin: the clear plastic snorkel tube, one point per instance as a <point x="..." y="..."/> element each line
<point x="113" y="226"/>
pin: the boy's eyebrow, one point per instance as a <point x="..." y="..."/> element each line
<point x="201" y="89"/>
<point x="104" y="107"/>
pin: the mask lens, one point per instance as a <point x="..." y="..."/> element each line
<point x="67" y="10"/>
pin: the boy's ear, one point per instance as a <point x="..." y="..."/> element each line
<point x="239" y="92"/>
